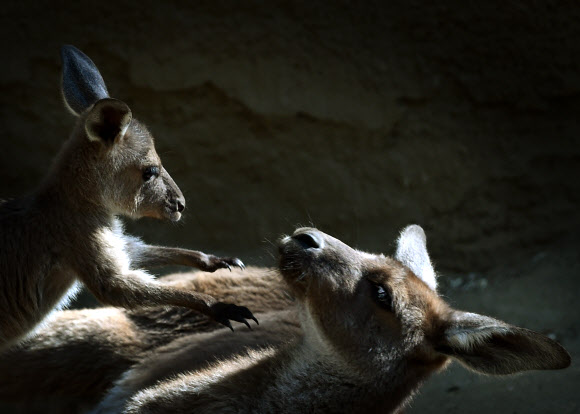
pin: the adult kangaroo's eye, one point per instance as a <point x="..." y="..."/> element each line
<point x="150" y="172"/>
<point x="382" y="296"/>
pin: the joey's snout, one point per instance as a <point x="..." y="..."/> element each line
<point x="175" y="201"/>
<point x="175" y="207"/>
<point x="178" y="204"/>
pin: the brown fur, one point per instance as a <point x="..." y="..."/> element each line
<point x="353" y="350"/>
<point x="372" y="331"/>
<point x="66" y="230"/>
<point x="78" y="354"/>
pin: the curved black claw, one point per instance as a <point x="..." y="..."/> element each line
<point x="224" y="312"/>
<point x="216" y="263"/>
<point x="236" y="262"/>
<point x="228" y="324"/>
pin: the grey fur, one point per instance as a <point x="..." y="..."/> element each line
<point x="82" y="83"/>
<point x="67" y="229"/>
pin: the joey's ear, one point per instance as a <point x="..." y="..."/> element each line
<point x="412" y="252"/>
<point x="108" y="120"/>
<point x="82" y="84"/>
<point x="489" y="346"/>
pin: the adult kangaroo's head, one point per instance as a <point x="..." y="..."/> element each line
<point x="384" y="313"/>
<point x="111" y="155"/>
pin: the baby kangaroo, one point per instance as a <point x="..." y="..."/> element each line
<point x="373" y="328"/>
<point x="67" y="231"/>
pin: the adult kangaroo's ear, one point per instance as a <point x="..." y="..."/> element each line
<point x="108" y="120"/>
<point x="412" y="252"/>
<point x="82" y="84"/>
<point x="489" y="346"/>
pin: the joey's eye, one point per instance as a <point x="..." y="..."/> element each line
<point x="382" y="296"/>
<point x="150" y="173"/>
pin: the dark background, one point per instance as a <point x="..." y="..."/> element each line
<point x="356" y="117"/>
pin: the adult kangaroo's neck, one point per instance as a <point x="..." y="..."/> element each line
<point x="308" y="380"/>
<point x="300" y="379"/>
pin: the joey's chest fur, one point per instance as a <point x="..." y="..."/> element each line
<point x="113" y="245"/>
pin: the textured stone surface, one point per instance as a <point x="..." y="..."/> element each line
<point x="358" y="117"/>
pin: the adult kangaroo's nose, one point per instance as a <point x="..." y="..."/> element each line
<point x="308" y="238"/>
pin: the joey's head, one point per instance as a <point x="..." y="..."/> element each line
<point x="112" y="155"/>
<point x="382" y="313"/>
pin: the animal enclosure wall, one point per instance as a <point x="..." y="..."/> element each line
<point x="357" y="117"/>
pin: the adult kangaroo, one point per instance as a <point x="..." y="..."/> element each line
<point x="373" y="329"/>
<point x="67" y="229"/>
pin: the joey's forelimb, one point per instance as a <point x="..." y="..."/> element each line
<point x="143" y="255"/>
<point x="148" y="256"/>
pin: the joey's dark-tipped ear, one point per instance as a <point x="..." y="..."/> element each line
<point x="82" y="84"/>
<point x="108" y="120"/>
<point x="412" y="252"/>
<point x="489" y="346"/>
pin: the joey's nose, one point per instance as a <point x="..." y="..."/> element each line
<point x="309" y="239"/>
<point x="180" y="204"/>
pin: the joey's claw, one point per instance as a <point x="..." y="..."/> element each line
<point x="245" y="322"/>
<point x="238" y="263"/>
<point x="224" y="312"/>
<point x="228" y="324"/>
<point x="216" y="263"/>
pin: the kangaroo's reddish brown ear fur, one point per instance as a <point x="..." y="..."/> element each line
<point x="489" y="346"/>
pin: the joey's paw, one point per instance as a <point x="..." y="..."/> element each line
<point x="224" y="312"/>
<point x="215" y="263"/>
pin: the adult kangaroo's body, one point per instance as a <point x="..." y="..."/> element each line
<point x="361" y="335"/>
<point x="373" y="328"/>
<point x="67" y="231"/>
<point x="73" y="359"/>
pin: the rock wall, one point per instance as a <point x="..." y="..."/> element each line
<point x="358" y="117"/>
